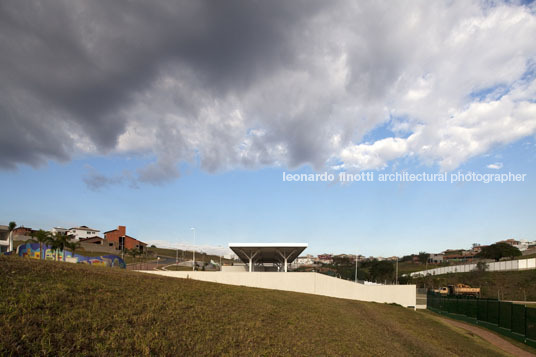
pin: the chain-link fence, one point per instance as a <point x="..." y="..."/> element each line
<point x="514" y="320"/>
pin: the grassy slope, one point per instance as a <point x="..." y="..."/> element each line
<point x="187" y="255"/>
<point x="410" y="267"/>
<point x="59" y="308"/>
<point x="511" y="285"/>
<point x="153" y="252"/>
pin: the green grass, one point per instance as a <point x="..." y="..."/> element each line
<point x="528" y="256"/>
<point x="53" y="308"/>
<point x="410" y="267"/>
<point x="172" y="253"/>
<point x="508" y="285"/>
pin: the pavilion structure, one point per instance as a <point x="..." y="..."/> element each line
<point x="278" y="255"/>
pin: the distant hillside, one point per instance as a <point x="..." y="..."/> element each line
<point x="509" y="285"/>
<point x="53" y="308"/>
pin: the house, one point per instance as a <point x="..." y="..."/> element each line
<point x="325" y="258"/>
<point x="467" y="252"/>
<point x="522" y="244"/>
<point x="477" y="248"/>
<point x="59" y="230"/>
<point x="82" y="232"/>
<point x="22" y="231"/>
<point x="458" y="255"/>
<point x="435" y="258"/>
<point x="4" y="238"/>
<point x="93" y="240"/>
<point x="120" y="240"/>
<point x="307" y="260"/>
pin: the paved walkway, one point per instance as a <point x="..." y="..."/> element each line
<point x="490" y="337"/>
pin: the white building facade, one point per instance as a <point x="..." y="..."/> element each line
<point x="83" y="232"/>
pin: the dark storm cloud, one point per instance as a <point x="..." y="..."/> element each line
<point x="96" y="181"/>
<point x="82" y="61"/>
<point x="230" y="84"/>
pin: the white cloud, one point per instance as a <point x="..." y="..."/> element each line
<point x="451" y="79"/>
<point x="374" y="156"/>
<point x="425" y="72"/>
<point x="495" y="166"/>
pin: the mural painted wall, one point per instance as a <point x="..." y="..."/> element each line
<point x="33" y="250"/>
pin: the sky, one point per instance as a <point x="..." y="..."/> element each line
<point x="168" y="115"/>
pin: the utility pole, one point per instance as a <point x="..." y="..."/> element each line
<point x="123" y="248"/>
<point x="396" y="279"/>
<point x="356" y="268"/>
<point x="193" y="251"/>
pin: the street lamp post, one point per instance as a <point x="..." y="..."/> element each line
<point x="122" y="247"/>
<point x="356" y="268"/>
<point x="396" y="277"/>
<point x="193" y="250"/>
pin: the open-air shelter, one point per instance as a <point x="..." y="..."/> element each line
<point x="274" y="254"/>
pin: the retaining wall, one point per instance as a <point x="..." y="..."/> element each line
<point x="507" y="265"/>
<point x="309" y="283"/>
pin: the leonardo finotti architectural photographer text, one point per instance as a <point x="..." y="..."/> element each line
<point x="405" y="177"/>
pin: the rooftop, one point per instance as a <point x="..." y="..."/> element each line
<point x="271" y="253"/>
<point x="85" y="228"/>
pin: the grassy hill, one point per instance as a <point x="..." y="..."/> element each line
<point x="508" y="285"/>
<point x="53" y="308"/>
<point x="187" y="255"/>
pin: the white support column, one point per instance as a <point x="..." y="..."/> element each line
<point x="250" y="256"/>
<point x="285" y="257"/>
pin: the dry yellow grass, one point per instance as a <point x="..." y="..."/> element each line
<point x="53" y="308"/>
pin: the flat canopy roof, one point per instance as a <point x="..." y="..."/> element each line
<point x="267" y="252"/>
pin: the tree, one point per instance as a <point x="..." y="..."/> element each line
<point x="407" y="258"/>
<point x="481" y="266"/>
<point x="41" y="237"/>
<point x="382" y="270"/>
<point x="134" y="252"/>
<point x="59" y="241"/>
<point x="72" y="246"/>
<point x="342" y="261"/>
<point x="499" y="250"/>
<point x="11" y="227"/>
<point x="423" y="257"/>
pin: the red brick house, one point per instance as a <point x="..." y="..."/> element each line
<point x="120" y="240"/>
<point x="22" y="231"/>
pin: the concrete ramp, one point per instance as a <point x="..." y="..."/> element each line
<point x="309" y="283"/>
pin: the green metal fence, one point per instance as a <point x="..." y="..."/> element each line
<point x="513" y="320"/>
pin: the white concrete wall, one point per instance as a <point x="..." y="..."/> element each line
<point x="309" y="283"/>
<point x="508" y="265"/>
<point x="234" y="268"/>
